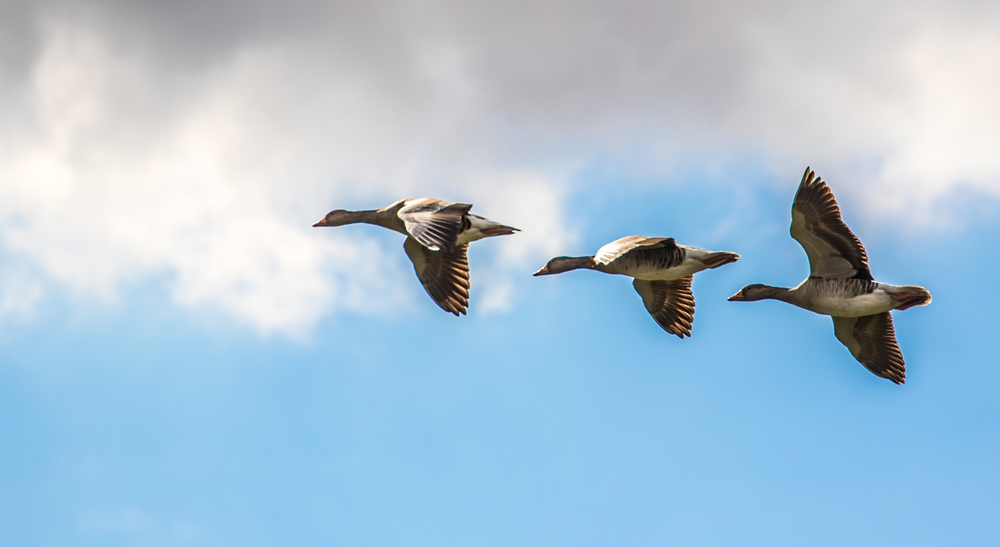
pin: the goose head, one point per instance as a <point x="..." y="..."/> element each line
<point x="562" y="264"/>
<point x="753" y="292"/>
<point x="337" y="217"/>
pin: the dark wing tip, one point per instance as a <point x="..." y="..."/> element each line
<point x="812" y="182"/>
<point x="894" y="375"/>
<point x="880" y="352"/>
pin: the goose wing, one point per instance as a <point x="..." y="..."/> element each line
<point x="444" y="274"/>
<point x="872" y="341"/>
<point x="834" y="251"/>
<point x="435" y="224"/>
<point x="669" y="302"/>
<point x="636" y="246"/>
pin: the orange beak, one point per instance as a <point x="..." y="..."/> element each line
<point x="543" y="271"/>
<point x="322" y="222"/>
<point x="738" y="297"/>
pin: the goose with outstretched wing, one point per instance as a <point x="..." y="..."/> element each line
<point x="840" y="283"/>
<point x="661" y="270"/>
<point x="438" y="236"/>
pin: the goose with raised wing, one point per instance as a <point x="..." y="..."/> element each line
<point x="840" y="283"/>
<point x="438" y="234"/>
<point x="662" y="271"/>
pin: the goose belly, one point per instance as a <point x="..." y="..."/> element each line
<point x="866" y="304"/>
<point x="684" y="269"/>
<point x="469" y="235"/>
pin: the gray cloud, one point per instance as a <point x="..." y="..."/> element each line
<point x="570" y="73"/>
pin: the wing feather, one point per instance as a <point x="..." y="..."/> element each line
<point x="444" y="274"/>
<point x="872" y="341"/>
<point x="435" y="224"/>
<point x="671" y="303"/>
<point x="618" y="248"/>
<point x="833" y="250"/>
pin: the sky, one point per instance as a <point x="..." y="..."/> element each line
<point x="185" y="361"/>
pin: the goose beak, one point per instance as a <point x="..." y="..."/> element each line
<point x="322" y="222"/>
<point x="738" y="297"/>
<point x="543" y="271"/>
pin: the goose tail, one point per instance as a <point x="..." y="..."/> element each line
<point x="721" y="258"/>
<point x="910" y="296"/>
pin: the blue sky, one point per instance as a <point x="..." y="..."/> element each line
<point x="185" y="361"/>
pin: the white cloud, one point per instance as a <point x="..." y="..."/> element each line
<point x="134" y="143"/>
<point x="221" y="193"/>
<point x="905" y="121"/>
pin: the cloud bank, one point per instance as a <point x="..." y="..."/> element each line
<point x="199" y="140"/>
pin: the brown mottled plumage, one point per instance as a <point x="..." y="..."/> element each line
<point x="671" y="303"/>
<point x="832" y="248"/>
<point x="444" y="274"/>
<point x="872" y="341"/>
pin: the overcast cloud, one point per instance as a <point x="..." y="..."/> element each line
<point x="199" y="140"/>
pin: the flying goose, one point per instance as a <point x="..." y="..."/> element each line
<point x="841" y="285"/>
<point x="662" y="272"/>
<point x="438" y="236"/>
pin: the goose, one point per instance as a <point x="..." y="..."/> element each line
<point x="662" y="272"/>
<point x="840" y="283"/>
<point x="438" y="234"/>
